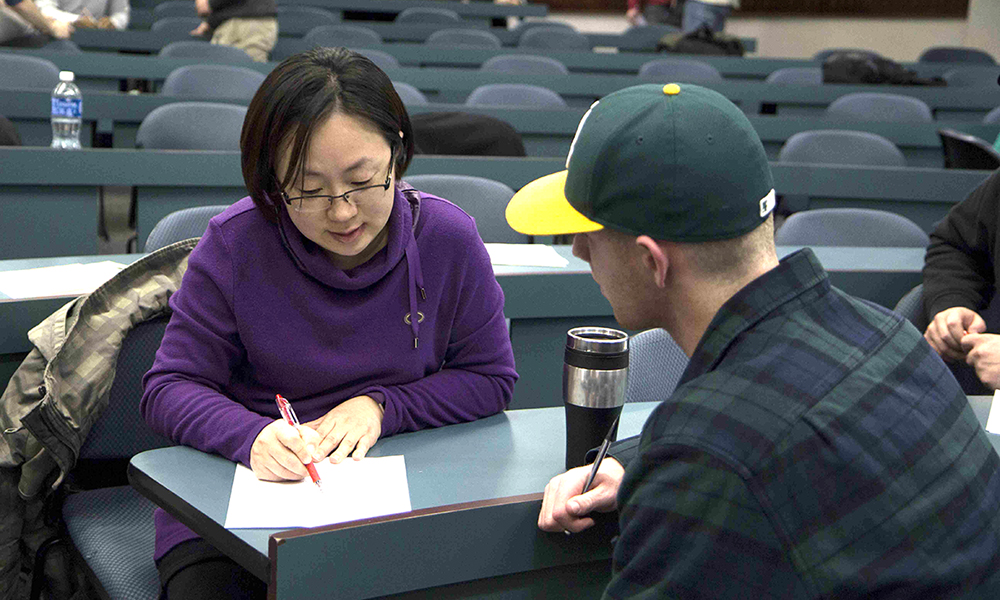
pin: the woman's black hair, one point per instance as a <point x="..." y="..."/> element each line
<point x="302" y="92"/>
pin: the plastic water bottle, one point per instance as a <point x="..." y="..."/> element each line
<point x="67" y="113"/>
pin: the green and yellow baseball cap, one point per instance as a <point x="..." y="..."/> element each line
<point x="675" y="162"/>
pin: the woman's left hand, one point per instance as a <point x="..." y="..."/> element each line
<point x="353" y="426"/>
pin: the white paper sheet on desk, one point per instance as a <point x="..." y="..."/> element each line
<point x="525" y="255"/>
<point x="61" y="280"/>
<point x="352" y="490"/>
<point x="993" y="421"/>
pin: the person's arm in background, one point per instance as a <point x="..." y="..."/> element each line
<point x="634" y="11"/>
<point x="30" y="13"/>
<point x="50" y="9"/>
<point x="959" y="276"/>
<point x="120" y="12"/>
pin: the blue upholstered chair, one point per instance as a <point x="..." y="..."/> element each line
<point x="295" y="18"/>
<point x="409" y="94"/>
<point x="656" y="364"/>
<point x="428" y="16"/>
<point x="342" y="35"/>
<point x="518" y="30"/>
<point x="524" y="64"/>
<point x="484" y="199"/>
<point x="679" y="70"/>
<point x="382" y="60"/>
<point x="850" y="227"/>
<point x="181" y="225"/>
<point x="174" y="8"/>
<point x="841" y="147"/>
<point x="872" y="106"/>
<point x="515" y="94"/>
<point x="28" y="72"/>
<point x="911" y="306"/>
<point x="956" y="54"/>
<point x="796" y="76"/>
<point x="554" y="38"/>
<point x="175" y="26"/>
<point x="192" y="126"/>
<point x="475" y="38"/>
<point x="207" y="51"/>
<point x="972" y="76"/>
<point x="213" y="81"/>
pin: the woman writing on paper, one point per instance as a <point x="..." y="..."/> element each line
<point x="371" y="306"/>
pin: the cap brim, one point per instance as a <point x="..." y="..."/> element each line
<point x="541" y="208"/>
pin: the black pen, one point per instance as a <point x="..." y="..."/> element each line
<point x="601" y="453"/>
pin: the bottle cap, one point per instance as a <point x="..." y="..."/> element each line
<point x="66" y="76"/>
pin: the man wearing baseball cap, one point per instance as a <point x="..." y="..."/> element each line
<point x="815" y="447"/>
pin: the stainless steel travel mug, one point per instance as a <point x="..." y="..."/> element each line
<point x="595" y="374"/>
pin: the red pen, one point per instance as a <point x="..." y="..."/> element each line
<point x="285" y="408"/>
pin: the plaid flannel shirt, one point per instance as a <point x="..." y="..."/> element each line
<point x="816" y="447"/>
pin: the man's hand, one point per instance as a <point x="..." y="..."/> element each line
<point x="353" y="426"/>
<point x="564" y="507"/>
<point x="60" y="30"/>
<point x="85" y="21"/>
<point x="947" y="329"/>
<point x="632" y="15"/>
<point x="983" y="354"/>
<point x="200" y="30"/>
<point x="202" y="7"/>
<point x="281" y="452"/>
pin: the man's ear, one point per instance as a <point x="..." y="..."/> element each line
<point x="654" y="259"/>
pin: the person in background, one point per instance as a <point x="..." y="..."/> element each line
<point x="666" y="12"/>
<point x="961" y="269"/>
<point x="28" y="10"/>
<point x="815" y="446"/>
<point x="88" y="14"/>
<point x="707" y="13"/>
<point x="370" y="305"/>
<point x="250" y="25"/>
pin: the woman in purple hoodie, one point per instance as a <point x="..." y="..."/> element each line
<point x="371" y="306"/>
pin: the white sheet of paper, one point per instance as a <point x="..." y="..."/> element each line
<point x="993" y="421"/>
<point x="60" y="280"/>
<point x="525" y="255"/>
<point x="352" y="490"/>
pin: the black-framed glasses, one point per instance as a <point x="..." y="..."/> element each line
<point x="357" y="196"/>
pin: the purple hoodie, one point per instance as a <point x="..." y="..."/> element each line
<point x="261" y="310"/>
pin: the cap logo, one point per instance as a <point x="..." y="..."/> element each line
<point x="579" y="128"/>
<point x="767" y="204"/>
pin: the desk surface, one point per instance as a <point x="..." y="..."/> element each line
<point x="510" y="455"/>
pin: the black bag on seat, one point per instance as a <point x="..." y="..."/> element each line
<point x="855" y="67"/>
<point x="701" y="41"/>
<point x="464" y="134"/>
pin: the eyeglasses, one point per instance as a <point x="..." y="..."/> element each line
<point x="358" y="196"/>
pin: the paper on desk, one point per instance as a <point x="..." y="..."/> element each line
<point x="352" y="490"/>
<point x="993" y="421"/>
<point x="60" y="280"/>
<point x="525" y="255"/>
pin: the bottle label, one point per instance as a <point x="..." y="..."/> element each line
<point x="62" y="107"/>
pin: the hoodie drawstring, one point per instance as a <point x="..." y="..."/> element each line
<point x="416" y="281"/>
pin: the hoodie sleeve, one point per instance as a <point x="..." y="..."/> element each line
<point x="477" y="377"/>
<point x="201" y="348"/>
<point x="960" y="260"/>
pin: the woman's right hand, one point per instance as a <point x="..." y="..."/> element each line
<point x="281" y="452"/>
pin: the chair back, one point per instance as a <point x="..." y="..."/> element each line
<point x="964" y="151"/>
<point x="681" y="70"/>
<point x="648" y="36"/>
<point x="294" y="18"/>
<point x="872" y="106"/>
<point x="206" y="51"/>
<point x="176" y="27"/>
<point x="382" y="60"/>
<point x="796" y="76"/>
<point x="27" y="72"/>
<point x="475" y="38"/>
<point x="841" y="147"/>
<point x="554" y="38"/>
<point x="514" y="94"/>
<point x="181" y="225"/>
<point x="330" y="36"/>
<point x="850" y="227"/>
<point x="224" y="82"/>
<point x="121" y="431"/>
<point x="67" y="46"/>
<point x="655" y="365"/>
<point x="484" y="199"/>
<point x="828" y="52"/>
<point x="174" y="8"/>
<point x="428" y="15"/>
<point x="974" y="76"/>
<point x="956" y="54"/>
<point x="518" y="30"/>
<point x="192" y="126"/>
<point x="525" y="64"/>
<point x="911" y="306"/>
<point x="409" y="94"/>
<point x="992" y="117"/>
